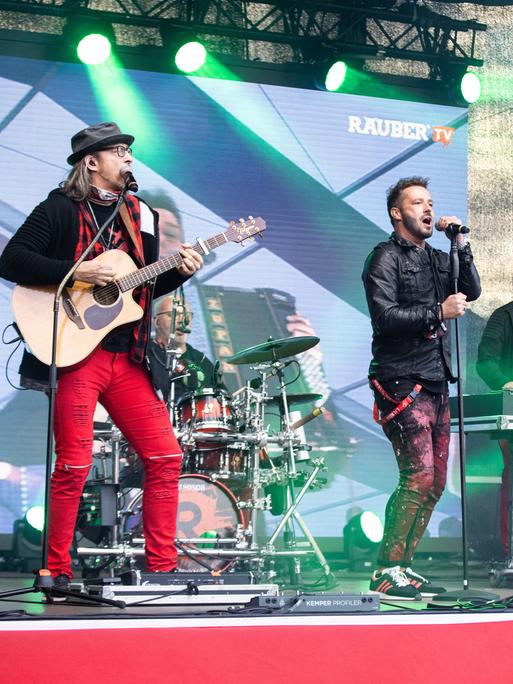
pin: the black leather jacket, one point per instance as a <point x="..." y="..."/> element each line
<point x="404" y="285"/>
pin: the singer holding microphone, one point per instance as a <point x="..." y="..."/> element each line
<point x="40" y="253"/>
<point x="409" y="294"/>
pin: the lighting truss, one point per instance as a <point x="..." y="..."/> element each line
<point x="286" y="32"/>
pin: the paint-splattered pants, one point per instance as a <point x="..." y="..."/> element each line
<point x="420" y="438"/>
<point x="125" y="390"/>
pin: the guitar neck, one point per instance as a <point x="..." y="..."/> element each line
<point x="143" y="275"/>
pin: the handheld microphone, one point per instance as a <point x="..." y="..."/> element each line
<point x="453" y="228"/>
<point x="130" y="182"/>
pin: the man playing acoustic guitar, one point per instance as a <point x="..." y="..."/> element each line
<point x="41" y="253"/>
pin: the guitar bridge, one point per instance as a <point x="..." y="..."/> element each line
<point x="71" y="310"/>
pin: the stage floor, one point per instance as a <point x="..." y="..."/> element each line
<point x="34" y="605"/>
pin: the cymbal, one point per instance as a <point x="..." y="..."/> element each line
<point x="297" y="398"/>
<point x="274" y="349"/>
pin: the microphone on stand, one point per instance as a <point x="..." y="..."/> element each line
<point x="218" y="375"/>
<point x="453" y="228"/>
<point x="186" y="319"/>
<point x="130" y="182"/>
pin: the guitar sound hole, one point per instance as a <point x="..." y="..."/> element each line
<point x="106" y="294"/>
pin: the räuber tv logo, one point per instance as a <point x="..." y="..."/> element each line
<point x="395" y="128"/>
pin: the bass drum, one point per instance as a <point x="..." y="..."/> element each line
<point x="206" y="509"/>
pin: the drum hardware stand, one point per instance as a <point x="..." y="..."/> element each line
<point x="115" y="441"/>
<point x="286" y="524"/>
<point x="172" y="354"/>
<point x="292" y="511"/>
<point x="254" y="418"/>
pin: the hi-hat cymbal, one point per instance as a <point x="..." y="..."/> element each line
<point x="272" y="350"/>
<point x="297" y="398"/>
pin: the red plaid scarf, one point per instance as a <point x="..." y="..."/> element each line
<point x="121" y="240"/>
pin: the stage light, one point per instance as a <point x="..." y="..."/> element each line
<point x="26" y="540"/>
<point x="90" y="38"/>
<point x="5" y="470"/>
<point x="331" y="74"/>
<point x="362" y="534"/>
<point x="35" y="518"/>
<point x="94" y="48"/>
<point x="190" y="56"/>
<point x="470" y="86"/>
<point x="335" y="76"/>
<point x="365" y="528"/>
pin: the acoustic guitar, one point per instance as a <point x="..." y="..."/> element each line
<point x="89" y="312"/>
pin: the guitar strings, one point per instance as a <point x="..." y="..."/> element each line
<point x="113" y="289"/>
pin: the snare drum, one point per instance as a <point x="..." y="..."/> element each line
<point x="227" y="463"/>
<point x="209" y="411"/>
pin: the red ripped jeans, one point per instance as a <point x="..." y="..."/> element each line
<point x="125" y="390"/>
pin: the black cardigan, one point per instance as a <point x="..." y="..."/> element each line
<point x="41" y="253"/>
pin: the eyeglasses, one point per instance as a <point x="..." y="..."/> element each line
<point x="179" y="312"/>
<point x="120" y="150"/>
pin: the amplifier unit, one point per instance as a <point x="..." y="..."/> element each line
<point x="321" y="603"/>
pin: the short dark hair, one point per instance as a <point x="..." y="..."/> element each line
<point x="159" y="199"/>
<point x="394" y="191"/>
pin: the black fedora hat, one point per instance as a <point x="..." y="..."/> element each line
<point x="95" y="138"/>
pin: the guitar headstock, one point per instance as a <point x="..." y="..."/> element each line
<point x="245" y="229"/>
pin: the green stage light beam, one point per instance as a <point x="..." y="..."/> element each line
<point x="94" y="49"/>
<point x="119" y="99"/>
<point x="213" y="68"/>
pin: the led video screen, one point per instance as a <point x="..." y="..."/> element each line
<point x="315" y="166"/>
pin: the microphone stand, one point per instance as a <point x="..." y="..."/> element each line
<point x="467" y="595"/>
<point x="44" y="581"/>
<point x="171" y="363"/>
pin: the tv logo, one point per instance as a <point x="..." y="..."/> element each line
<point x="443" y="134"/>
<point x="394" y="128"/>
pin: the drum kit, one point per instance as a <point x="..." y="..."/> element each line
<point x="234" y="470"/>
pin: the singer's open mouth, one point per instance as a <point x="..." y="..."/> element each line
<point x="427" y="220"/>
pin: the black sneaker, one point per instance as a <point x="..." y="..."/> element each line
<point x="425" y="586"/>
<point x="393" y="583"/>
<point x="61" y="582"/>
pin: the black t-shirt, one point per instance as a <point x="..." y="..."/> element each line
<point x="201" y="370"/>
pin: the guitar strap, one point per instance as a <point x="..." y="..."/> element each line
<point x="123" y="212"/>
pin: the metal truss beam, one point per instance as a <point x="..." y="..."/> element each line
<point x="406" y="30"/>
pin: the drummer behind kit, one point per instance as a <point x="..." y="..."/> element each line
<point x="227" y="469"/>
